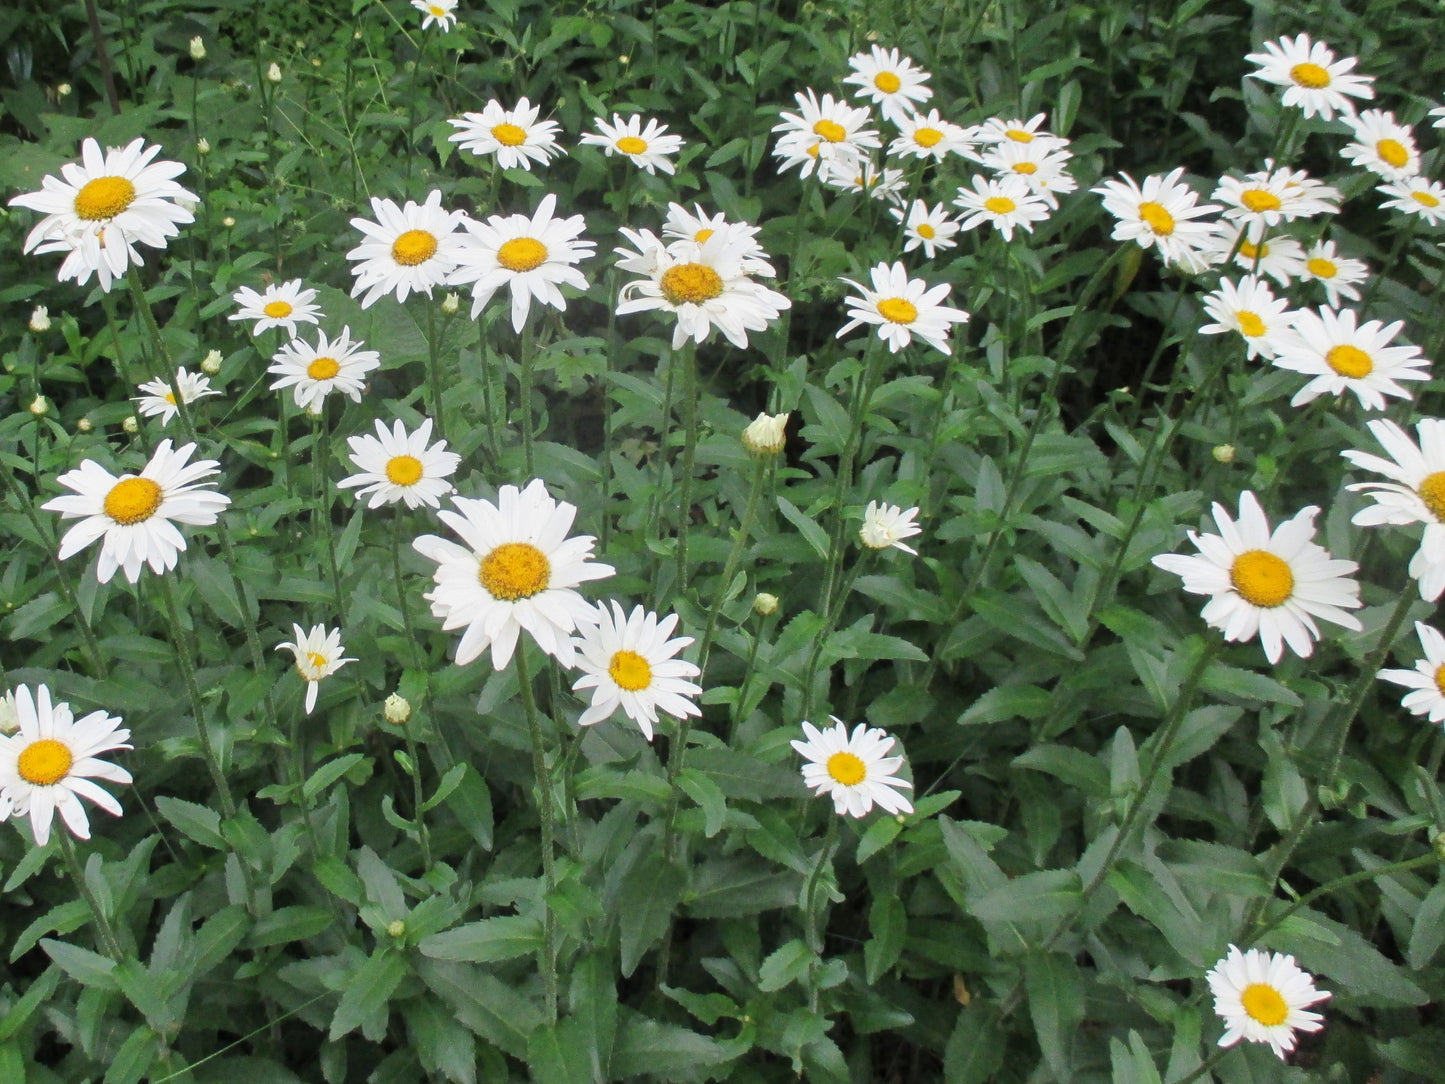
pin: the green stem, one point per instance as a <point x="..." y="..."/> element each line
<point x="525" y="376"/>
<point x="321" y="518"/>
<point x="688" y="360"/>
<point x="434" y="371"/>
<point x="1338" y="883"/>
<point x="77" y="874"/>
<point x="547" y="958"/>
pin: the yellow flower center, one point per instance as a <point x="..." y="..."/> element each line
<point x="1250" y="251"/>
<point x="1264" y="1004"/>
<point x="132" y="500"/>
<point x="630" y="670"/>
<point x="632" y="145"/>
<point x="1250" y="324"/>
<point x="277" y="310"/>
<point x="170" y="397"/>
<point x="522" y="254"/>
<point x="887" y="82"/>
<point x="1440" y="679"/>
<point x="439" y="12"/>
<point x="1262" y="578"/>
<point x="403" y="470"/>
<point x="1156" y="218"/>
<point x="515" y="570"/>
<point x="927" y="137"/>
<point x="926" y="231"/>
<point x="1392" y="152"/>
<point x="1321" y="268"/>
<point x="1018" y="135"/>
<point x="999" y="205"/>
<point x="847" y="768"/>
<point x="1349" y="361"/>
<point x="702" y="235"/>
<point x="1257" y="199"/>
<point x="104" y="197"/>
<point x="1425" y="199"/>
<point x="1432" y="492"/>
<point x="44" y="762"/>
<point x="1026" y="167"/>
<point x="831" y="130"/>
<point x="509" y="135"/>
<point x="690" y="283"/>
<point x="413" y="247"/>
<point x="317" y="661"/>
<point x="1310" y="76"/>
<point x="323" y="368"/>
<point x="898" y="310"/>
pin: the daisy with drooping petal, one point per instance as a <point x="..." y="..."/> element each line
<point x="1328" y="346"/>
<point x="1415" y="494"/>
<point x="134" y="516"/>
<point x="901" y="308"/>
<point x="396" y="466"/>
<point x="1159" y="214"/>
<point x="826" y="131"/>
<point x="515" y="137"/>
<point x="996" y="130"/>
<point x="1427" y="681"/>
<point x="518" y="571"/>
<point x="648" y="148"/>
<point x="890" y="80"/>
<point x="316" y="371"/>
<point x="107" y="204"/>
<point x="698" y="226"/>
<point x="407" y="248"/>
<point x="887" y="525"/>
<point x="1383" y="146"/>
<point x="864" y="178"/>
<point x="1339" y="275"/>
<point x="282" y="305"/>
<point x="1416" y="196"/>
<point x="441" y="12"/>
<point x="930" y="227"/>
<point x="318" y="654"/>
<point x="1250" y="308"/>
<point x="47" y="764"/>
<point x="1003" y="202"/>
<point x="160" y="399"/>
<point x="1313" y="79"/>
<point x="532" y="257"/>
<point x="1265" y="199"/>
<point x="1282" y="258"/>
<point x="1262" y="997"/>
<point x="1042" y="168"/>
<point x="1272" y="584"/>
<point x="854" y="771"/>
<point x="928" y="136"/>
<point x="629" y="662"/>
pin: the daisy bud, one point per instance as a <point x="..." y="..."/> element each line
<point x="203" y="146"/>
<point x="40" y="319"/>
<point x="39" y="407"/>
<point x="130" y="425"/>
<point x="228" y="222"/>
<point x="1439" y="844"/>
<point x="63" y="91"/>
<point x="198" y="49"/>
<point x="396" y="710"/>
<point x="764" y="436"/>
<point x="765" y="605"/>
<point x="211" y="364"/>
<point x="1224" y="453"/>
<point x="273" y="73"/>
<point x="624" y="59"/>
<point x="451" y="303"/>
<point x="85" y="425"/>
<point x="9" y="715"/>
<point x="396" y="928"/>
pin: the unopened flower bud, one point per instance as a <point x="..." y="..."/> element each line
<point x="63" y="91"/>
<point x="198" y="49"/>
<point x="85" y="425"/>
<point x="39" y="407"/>
<point x="40" y="319"/>
<point x="203" y="145"/>
<point x="624" y="60"/>
<point x="228" y="222"/>
<point x="273" y="73"/>
<point x="1438" y="842"/>
<point x="1224" y="453"/>
<point x="130" y="425"/>
<point x="9" y="714"/>
<point x="396" y="928"/>
<point x="396" y="710"/>
<point x="764" y="605"/>
<point x="764" y="435"/>
<point x="211" y="363"/>
<point x="451" y="303"/>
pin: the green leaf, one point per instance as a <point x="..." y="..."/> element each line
<point x="82" y="965"/>
<point x="483" y="1003"/>
<point x="489" y="939"/>
<point x="133" y="1060"/>
<point x="556" y="1055"/>
<point x="876" y="836"/>
<point x="20" y="1012"/>
<point x="973" y="1053"/>
<point x="471" y="801"/>
<point x="1007" y="702"/>
<point x="649" y="895"/>
<point x="1332" y="949"/>
<point x="329" y="773"/>
<point x="808" y="528"/>
<point x="1056" y="1003"/>
<point x="287" y="924"/>
<point x="1044" y="896"/>
<point x="365" y="996"/>
<point x="64" y="919"/>
<point x="646" y="1047"/>
<point x="788" y="964"/>
<point x="381" y="885"/>
<point x="198" y="822"/>
<point x="1429" y="929"/>
<point x="709" y="797"/>
<point x="1132" y="1064"/>
<point x="888" y="922"/>
<point x="1069" y="765"/>
<point x="448" y="783"/>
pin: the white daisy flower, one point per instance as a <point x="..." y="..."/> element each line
<point x="1270" y="584"/>
<point x="135" y="515"/>
<point x="648" y="147"/>
<point x="532" y="257"/>
<point x="318" y="370"/>
<point x="48" y="764"/>
<point x="1382" y="145"/>
<point x="996" y="130"/>
<point x="318" y="654"/>
<point x="628" y="662"/>
<point x="853" y="771"/>
<point x="1003" y="202"/>
<point x="766" y="434"/>
<point x="1159" y="214"/>
<point x="889" y="79"/>
<point x="902" y="308"/>
<point x="1042" y="168"/>
<point x="160" y="399"/>
<point x="928" y="227"/>
<point x="830" y="131"/>
<point x="1265" y="199"/>
<point x="396" y="466"/>
<point x="1282" y="258"/>
<point x="698" y="226"/>
<point x="929" y="136"/>
<point x="1415" y="196"/>
<point x="886" y="525"/>
<point x="1251" y="309"/>
<point x="515" y="137"/>
<point x="1337" y="274"/>
<point x="1262" y="997"/>
<point x="1427" y="681"/>
<point x="106" y="205"/>
<point x="282" y="305"/>
<point x="863" y="177"/>
<point x="408" y="248"/>
<point x="440" y="12"/>
<point x="9" y="713"/>
<point x="1341" y="356"/>
<point x="1415" y="494"/>
<point x="518" y="571"/>
<point x="1313" y="79"/>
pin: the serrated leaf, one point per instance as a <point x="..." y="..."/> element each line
<point x="815" y="536"/>
<point x="1007" y="702"/>
<point x="367" y="992"/>
<point x="504" y="937"/>
<point x="787" y="964"/>
<point x="85" y="967"/>
<point x="329" y="773"/>
<point x="649" y="895"/>
<point x="1429" y="929"/>
<point x="1056" y="1003"/>
<point x="198" y="822"/>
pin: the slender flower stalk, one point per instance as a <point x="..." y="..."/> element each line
<point x="547" y="957"/>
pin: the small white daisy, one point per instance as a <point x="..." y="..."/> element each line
<point x="1339" y="275"/>
<point x="649" y="148"/>
<point x="698" y="226"/>
<point x="886" y="525"/>
<point x="928" y="227"/>
<point x="829" y="131"/>
<point x="929" y="136"/>
<point x="854" y="771"/>
<point x="1415" y="494"/>
<point x="996" y="130"/>
<point x="1044" y="169"/>
<point x="1416" y="196"/>
<point x="628" y="662"/>
<point x="1265" y="199"/>
<point x="134" y="516"/>
<point x="440" y="12"/>
<point x="1282" y="258"/>
<point x="1341" y="356"/>
<point x="282" y="305"/>
<point x="1262" y="997"/>
<point x="901" y="308"/>
<point x="397" y="466"/>
<point x="863" y="177"/>
<point x="1382" y="145"/>
<point x="46" y="766"/>
<point x="1251" y="309"/>
<point x="1159" y="214"/>
<point x="1427" y="681"/>
<point x="318" y="370"/>
<point x="160" y="399"/>
<point x="515" y="137"/>
<point x="408" y="248"/>
<point x="1269" y="584"/>
<point x="1003" y="202"/>
<point x="890" y="80"/>
<point x="1313" y="79"/>
<point x="318" y="654"/>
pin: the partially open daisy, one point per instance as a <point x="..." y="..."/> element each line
<point x="649" y="148"/>
<point x="997" y="130"/>
<point x="407" y="248"/>
<point x="161" y="399"/>
<point x="1003" y="202"/>
<point x="1414" y="494"/>
<point x="9" y="713"/>
<point x="928" y="136"/>
<point x="282" y="305"/>
<point x="887" y="525"/>
<point x="831" y="131"/>
<point x="1262" y="997"/>
<point x="316" y="371"/>
<point x="1269" y="197"/>
<point x="515" y="137"/>
<point x="1043" y="168"/>
<point x="628" y="662"/>
<point x="1313" y="79"/>
<point x="518" y="571"/>
<point x="1339" y="275"/>
<point x="901" y="308"/>
<point x="48" y="764"/>
<point x="1427" y="681"/>
<point x="443" y="13"/>
<point x="1269" y="584"/>
<point x="1382" y="145"/>
<point x="318" y="654"/>
<point x="698" y="226"/>
<point x="854" y="771"/>
<point x="106" y="205"/>
<point x="1159" y="214"/>
<point x="397" y="466"/>
<point x="864" y="178"/>
<point x="134" y="516"/>
<point x="1251" y="309"/>
<point x="890" y="80"/>
<point x="1416" y="196"/>
<point x="929" y="227"/>
<point x="1281" y="257"/>
<point x="1341" y="356"/>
